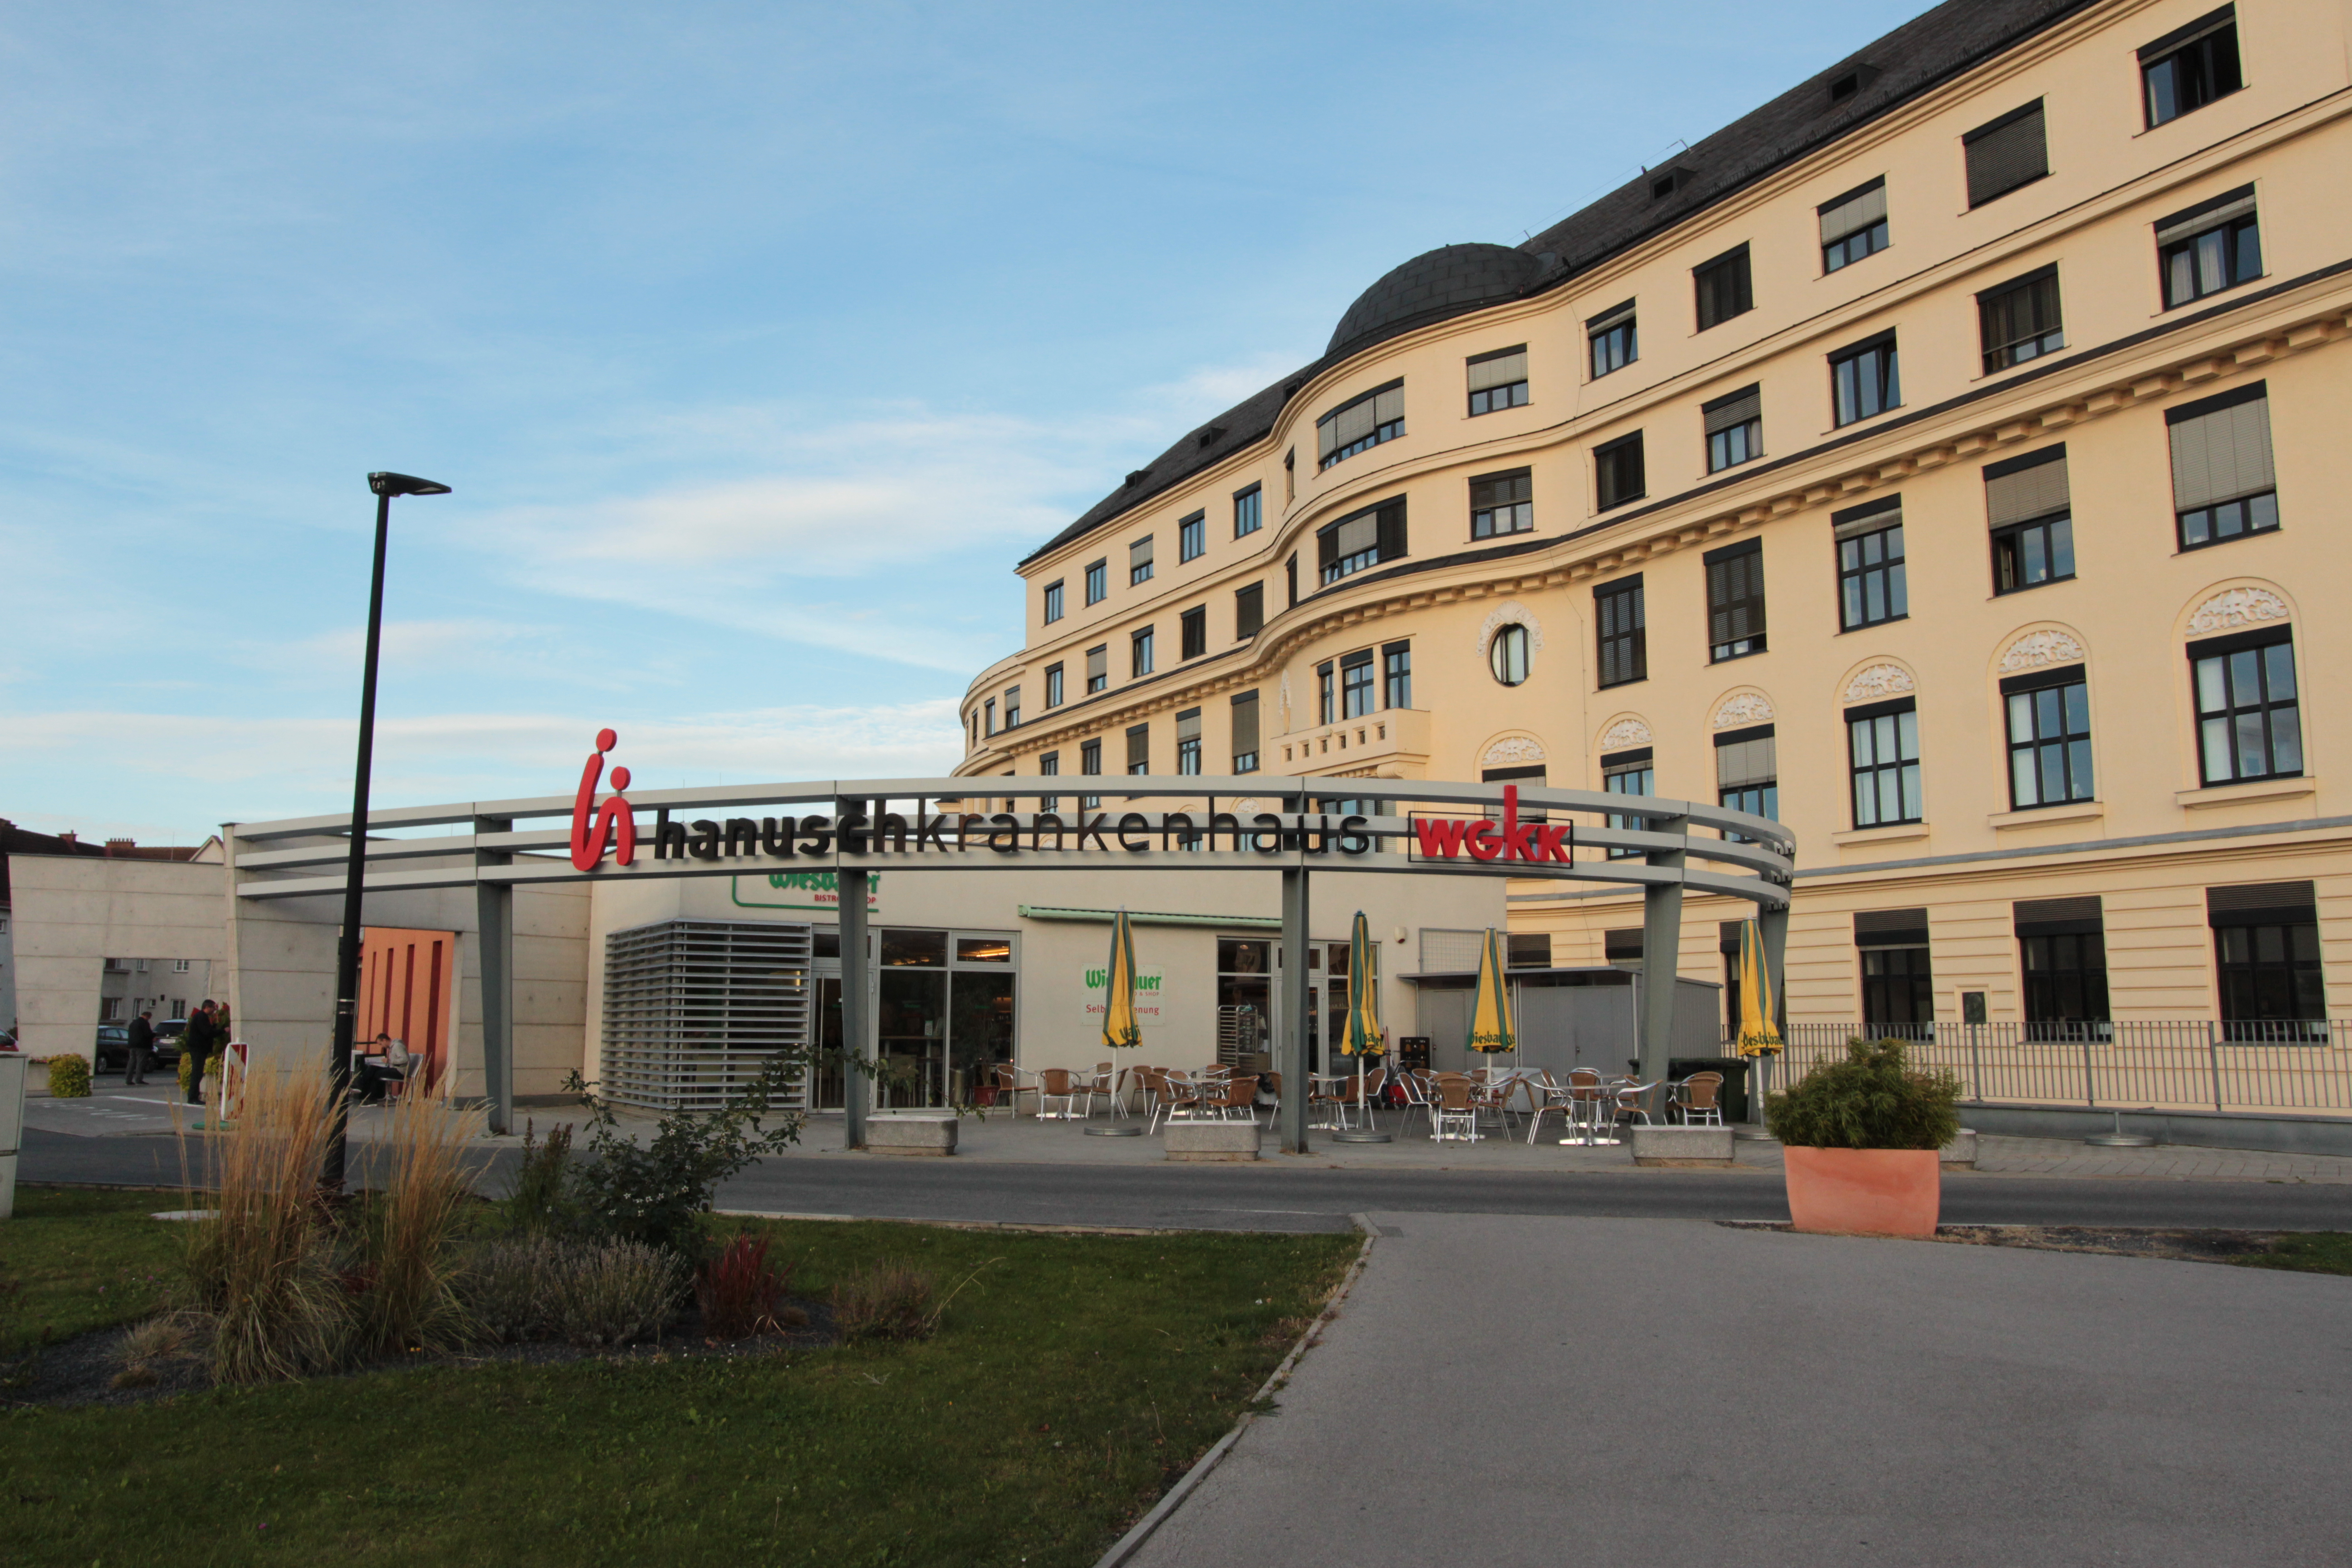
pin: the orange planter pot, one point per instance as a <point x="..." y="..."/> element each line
<point x="1869" y="1192"/>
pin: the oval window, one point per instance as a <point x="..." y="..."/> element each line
<point x="1509" y="655"/>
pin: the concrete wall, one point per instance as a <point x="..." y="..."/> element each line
<point x="73" y="912"/>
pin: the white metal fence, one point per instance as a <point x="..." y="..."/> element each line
<point x="2302" y="1067"/>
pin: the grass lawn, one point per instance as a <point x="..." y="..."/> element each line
<point x="82" y="1260"/>
<point x="2313" y="1252"/>
<point x="1071" y="1380"/>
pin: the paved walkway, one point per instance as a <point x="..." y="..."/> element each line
<point x="1664" y="1392"/>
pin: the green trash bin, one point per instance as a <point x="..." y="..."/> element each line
<point x="1735" y="1079"/>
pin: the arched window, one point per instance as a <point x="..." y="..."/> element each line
<point x="1507" y="655"/>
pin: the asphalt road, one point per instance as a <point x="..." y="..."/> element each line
<point x="1279" y="1195"/>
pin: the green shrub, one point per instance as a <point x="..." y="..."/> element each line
<point x="1872" y="1100"/>
<point x="654" y="1192"/>
<point x="539" y="1196"/>
<point x="69" y="1078"/>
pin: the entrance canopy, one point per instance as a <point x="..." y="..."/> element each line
<point x="1033" y="825"/>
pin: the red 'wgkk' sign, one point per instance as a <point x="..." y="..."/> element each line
<point x="1509" y="839"/>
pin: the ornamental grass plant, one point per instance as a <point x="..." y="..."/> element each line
<point x="410" y="1299"/>
<point x="1872" y="1100"/>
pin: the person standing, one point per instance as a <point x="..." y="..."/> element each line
<point x="135" y="1052"/>
<point x="198" y="1043"/>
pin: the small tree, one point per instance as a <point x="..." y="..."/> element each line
<point x="1872" y="1100"/>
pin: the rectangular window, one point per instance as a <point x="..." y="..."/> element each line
<point x="1053" y="602"/>
<point x="1049" y="766"/>
<point x="1053" y="686"/>
<point x="1139" y="561"/>
<point x="1613" y="339"/>
<point x="1097" y="581"/>
<point x="2190" y="67"/>
<point x="1498" y="380"/>
<point x="1356" y="685"/>
<point x="1361" y="423"/>
<point x="1527" y="949"/>
<point x="2020" y="321"/>
<point x="2266" y="955"/>
<point x="2062" y="949"/>
<point x="2223" y="486"/>
<point x="2008" y="153"/>
<point x="1140" y="650"/>
<point x="1865" y="379"/>
<point x="1871" y="586"/>
<point x="1327" y="694"/>
<point x="1854" y="226"/>
<point x="1249" y="512"/>
<point x="1735" y="600"/>
<point x="1724" y="288"/>
<point x="1192" y="632"/>
<point x="2214" y="245"/>
<point x="1187" y="742"/>
<point x="1191" y="537"/>
<point x="1624" y="653"/>
<point x="1883" y="750"/>
<point x="1627" y="773"/>
<point x="2029" y="507"/>
<point x="2249" y="721"/>
<point x="1618" y="475"/>
<point x="1098" y="667"/>
<point x="1249" y="611"/>
<point x="1502" y="503"/>
<point x="1090" y="763"/>
<point x="988" y="725"/>
<point x="1735" y="428"/>
<point x="1747" y="773"/>
<point x="2048" y="714"/>
<point x="1246" y="732"/>
<point x="1139" y="748"/>
<point x="1362" y="539"/>
<point x="1898" y="985"/>
<point x="1290" y="577"/>
<point x="1396" y="675"/>
<point x="1012" y="708"/>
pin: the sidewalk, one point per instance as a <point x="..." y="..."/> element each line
<point x="997" y="1137"/>
<point x="1674" y="1392"/>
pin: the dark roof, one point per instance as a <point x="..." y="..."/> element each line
<point x="1911" y="61"/>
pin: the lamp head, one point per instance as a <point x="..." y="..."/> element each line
<point x="405" y="485"/>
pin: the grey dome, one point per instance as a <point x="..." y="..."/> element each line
<point x="1447" y="281"/>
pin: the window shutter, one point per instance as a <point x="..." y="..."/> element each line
<point x="2059" y="917"/>
<point x="1867" y="519"/>
<point x="1743" y="763"/>
<point x="1188" y="725"/>
<point x="1850" y="214"/>
<point x="1389" y="406"/>
<point x="1357" y="533"/>
<point x="1355" y="423"/>
<point x="1738" y="409"/>
<point x="2031" y="486"/>
<point x="1139" y="553"/>
<point x="2262" y="904"/>
<point x="1890" y="928"/>
<point x="1097" y="662"/>
<point x="1616" y="318"/>
<point x="1391" y="530"/>
<point x="2221" y="209"/>
<point x="1138" y="746"/>
<point x="1735" y="593"/>
<point x="1498" y="370"/>
<point x="2221" y="452"/>
<point x="1244" y="722"/>
<point x="2006" y="153"/>
<point x="1249" y="610"/>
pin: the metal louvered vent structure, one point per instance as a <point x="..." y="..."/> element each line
<point x="693" y="1009"/>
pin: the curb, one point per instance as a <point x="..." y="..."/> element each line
<point x="1190" y="1482"/>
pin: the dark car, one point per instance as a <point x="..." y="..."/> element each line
<point x="114" y="1044"/>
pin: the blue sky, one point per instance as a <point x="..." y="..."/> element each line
<point x="757" y="341"/>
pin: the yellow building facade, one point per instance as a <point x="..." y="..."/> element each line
<point x="1944" y="458"/>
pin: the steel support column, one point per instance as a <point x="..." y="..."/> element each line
<point x="857" y="1024"/>
<point x="494" y="914"/>
<point x="1290" y="1034"/>
<point x="1662" y="941"/>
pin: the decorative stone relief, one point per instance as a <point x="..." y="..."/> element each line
<point x="1879" y="681"/>
<point x="1626" y="732"/>
<point x="2035" y="649"/>
<point x="2238" y="607"/>
<point x="1744" y="708"/>
<point x="1513" y="750"/>
<point x="1510" y="613"/>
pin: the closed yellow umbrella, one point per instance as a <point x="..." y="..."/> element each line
<point x="1364" y="1036"/>
<point x="1490" y="1018"/>
<point x="1119" y="1027"/>
<point x="1757" y="1035"/>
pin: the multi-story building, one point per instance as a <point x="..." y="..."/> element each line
<point x="1936" y="459"/>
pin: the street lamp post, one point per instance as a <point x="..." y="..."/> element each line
<point x="347" y="953"/>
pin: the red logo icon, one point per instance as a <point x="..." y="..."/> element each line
<point x="1509" y="839"/>
<point x="594" y="831"/>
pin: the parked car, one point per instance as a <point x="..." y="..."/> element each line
<point x="114" y="1044"/>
